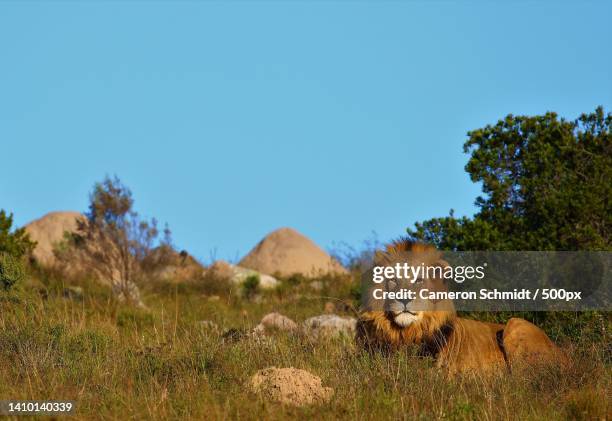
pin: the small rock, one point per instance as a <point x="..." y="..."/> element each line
<point x="276" y="321"/>
<point x="290" y="386"/>
<point x="127" y="292"/>
<point x="330" y="307"/>
<point x="330" y="325"/>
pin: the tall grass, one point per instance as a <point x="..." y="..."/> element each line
<point x="118" y="362"/>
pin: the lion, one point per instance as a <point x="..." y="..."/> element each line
<point x="457" y="344"/>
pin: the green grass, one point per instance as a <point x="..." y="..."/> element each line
<point x="118" y="362"/>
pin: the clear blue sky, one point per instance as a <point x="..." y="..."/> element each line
<point x="228" y="120"/>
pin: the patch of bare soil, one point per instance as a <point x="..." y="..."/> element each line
<point x="290" y="386"/>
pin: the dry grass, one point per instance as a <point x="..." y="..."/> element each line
<point x="122" y="363"/>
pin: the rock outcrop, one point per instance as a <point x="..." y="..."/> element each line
<point x="48" y="231"/>
<point x="287" y="252"/>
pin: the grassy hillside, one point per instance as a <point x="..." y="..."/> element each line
<point x="118" y="362"/>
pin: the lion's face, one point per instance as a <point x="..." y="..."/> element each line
<point x="408" y="319"/>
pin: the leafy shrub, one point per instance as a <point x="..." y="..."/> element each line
<point x="16" y="243"/>
<point x="250" y="287"/>
<point x="11" y="270"/>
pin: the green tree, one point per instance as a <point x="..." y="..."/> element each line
<point x="16" y="243"/>
<point x="546" y="185"/>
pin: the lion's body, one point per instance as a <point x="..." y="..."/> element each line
<point x="460" y="344"/>
<point x="457" y="344"/>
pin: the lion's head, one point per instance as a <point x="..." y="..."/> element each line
<point x="402" y="321"/>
